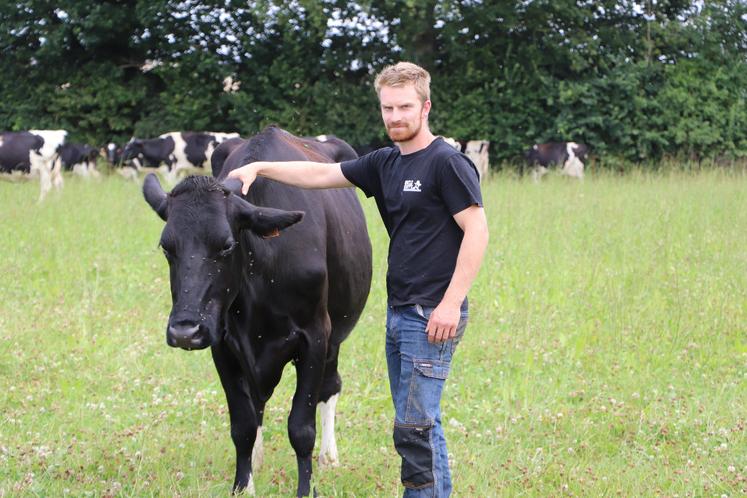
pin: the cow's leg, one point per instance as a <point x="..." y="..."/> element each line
<point x="302" y="419"/>
<point x="56" y="167"/>
<point x="328" y="396"/>
<point x="37" y="163"/>
<point x="92" y="169"/>
<point x="242" y="413"/>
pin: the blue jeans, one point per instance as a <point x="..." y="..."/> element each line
<point x="417" y="373"/>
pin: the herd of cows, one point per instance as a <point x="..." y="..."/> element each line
<point x="279" y="275"/>
<point x="47" y="153"/>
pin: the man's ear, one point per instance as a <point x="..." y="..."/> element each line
<point x="154" y="195"/>
<point x="264" y="221"/>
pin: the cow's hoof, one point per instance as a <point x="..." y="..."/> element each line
<point x="244" y="489"/>
<point x="327" y="460"/>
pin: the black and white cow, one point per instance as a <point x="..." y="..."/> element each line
<point x="114" y="154"/>
<point x="36" y="152"/>
<point x="79" y="158"/>
<point x="177" y="150"/>
<point x="262" y="290"/>
<point x="569" y="156"/>
<point x="477" y="151"/>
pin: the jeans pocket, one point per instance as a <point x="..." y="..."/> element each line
<point x="426" y="386"/>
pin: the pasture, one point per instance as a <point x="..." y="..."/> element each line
<point x="606" y="353"/>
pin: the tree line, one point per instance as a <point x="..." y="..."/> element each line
<point x="636" y="80"/>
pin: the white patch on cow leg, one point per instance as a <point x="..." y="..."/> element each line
<point x="40" y="166"/>
<point x="249" y="491"/>
<point x="328" y="451"/>
<point x="57" y="172"/>
<point x="258" y="452"/>
<point x="80" y="169"/>
<point x="128" y="173"/>
<point x="538" y="172"/>
<point x="574" y="167"/>
<point x="92" y="170"/>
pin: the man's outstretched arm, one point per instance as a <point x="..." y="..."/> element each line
<point x="304" y="174"/>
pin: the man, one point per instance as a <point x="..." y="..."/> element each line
<point x="429" y="198"/>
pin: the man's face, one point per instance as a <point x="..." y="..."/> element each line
<point x="402" y="112"/>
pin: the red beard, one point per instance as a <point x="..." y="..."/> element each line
<point x="403" y="133"/>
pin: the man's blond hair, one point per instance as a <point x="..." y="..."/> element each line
<point x="404" y="73"/>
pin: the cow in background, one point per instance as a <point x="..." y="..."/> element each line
<point x="35" y="152"/>
<point x="178" y="150"/>
<point x="477" y="151"/>
<point x="79" y="158"/>
<point x="568" y="155"/>
<point x="259" y="298"/>
<point x="114" y="154"/>
<point x="453" y="142"/>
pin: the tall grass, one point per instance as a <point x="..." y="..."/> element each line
<point x="606" y="352"/>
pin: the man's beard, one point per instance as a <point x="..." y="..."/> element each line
<point x="404" y="134"/>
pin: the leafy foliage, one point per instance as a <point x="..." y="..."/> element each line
<point x="635" y="80"/>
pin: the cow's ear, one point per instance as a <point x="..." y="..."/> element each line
<point x="264" y="221"/>
<point x="154" y="195"/>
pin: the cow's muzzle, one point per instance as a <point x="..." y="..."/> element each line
<point x="187" y="335"/>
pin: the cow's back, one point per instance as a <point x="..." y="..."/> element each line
<point x="332" y="237"/>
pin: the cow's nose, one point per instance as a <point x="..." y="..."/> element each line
<point x="184" y="335"/>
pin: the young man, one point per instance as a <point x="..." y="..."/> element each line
<point x="429" y="198"/>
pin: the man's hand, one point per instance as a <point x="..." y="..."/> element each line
<point x="247" y="174"/>
<point x="442" y="325"/>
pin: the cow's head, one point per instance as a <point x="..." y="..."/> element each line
<point x="202" y="242"/>
<point x="134" y="150"/>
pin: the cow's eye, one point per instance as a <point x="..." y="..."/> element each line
<point x="228" y="248"/>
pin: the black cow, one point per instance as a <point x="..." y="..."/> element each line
<point x="178" y="150"/>
<point x="80" y="158"/>
<point x="34" y="151"/>
<point x="260" y="300"/>
<point x="222" y="152"/>
<point x="568" y="155"/>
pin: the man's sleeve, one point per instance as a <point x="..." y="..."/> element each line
<point x="362" y="173"/>
<point x="460" y="184"/>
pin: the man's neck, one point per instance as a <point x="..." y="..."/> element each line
<point x="419" y="142"/>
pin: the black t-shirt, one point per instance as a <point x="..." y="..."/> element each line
<point x="417" y="195"/>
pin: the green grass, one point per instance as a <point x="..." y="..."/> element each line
<point x="606" y="352"/>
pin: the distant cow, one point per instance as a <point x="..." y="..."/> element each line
<point x="79" y="158"/>
<point x="568" y="155"/>
<point x="34" y="151"/>
<point x="477" y="151"/>
<point x="114" y="154"/>
<point x="260" y="298"/>
<point x="454" y="143"/>
<point x="178" y="150"/>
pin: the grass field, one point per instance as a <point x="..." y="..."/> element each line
<point x="606" y="353"/>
